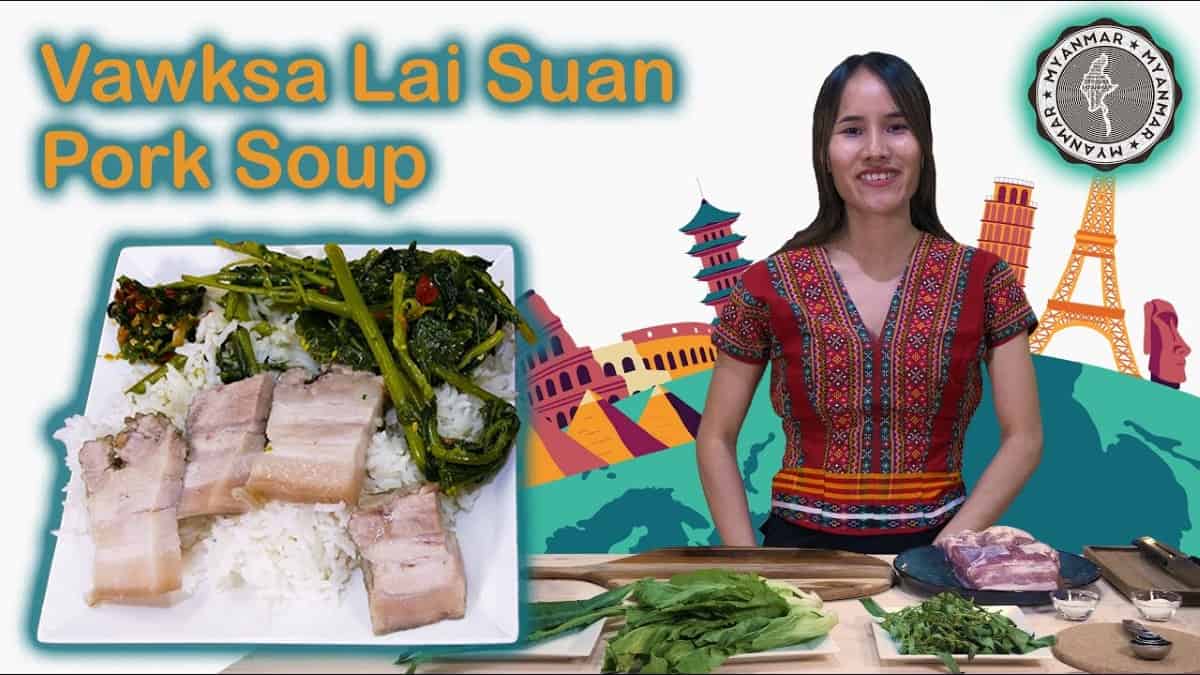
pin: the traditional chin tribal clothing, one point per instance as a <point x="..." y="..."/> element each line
<point x="874" y="425"/>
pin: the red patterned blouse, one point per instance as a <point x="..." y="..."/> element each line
<point x="874" y="427"/>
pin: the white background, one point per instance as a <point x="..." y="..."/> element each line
<point x="596" y="198"/>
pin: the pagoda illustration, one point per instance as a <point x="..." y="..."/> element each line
<point x="1007" y="223"/>
<point x="717" y="248"/>
<point x="1094" y="239"/>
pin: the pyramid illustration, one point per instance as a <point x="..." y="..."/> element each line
<point x="687" y="414"/>
<point x="593" y="428"/>
<point x="635" y="438"/>
<point x="660" y="419"/>
<point x="565" y="452"/>
<point x="540" y="466"/>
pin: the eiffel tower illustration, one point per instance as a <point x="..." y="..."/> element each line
<point x="1095" y="239"/>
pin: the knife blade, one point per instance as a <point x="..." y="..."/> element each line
<point x="1175" y="552"/>
<point x="1171" y="560"/>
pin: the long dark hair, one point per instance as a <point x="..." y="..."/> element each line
<point x="908" y="92"/>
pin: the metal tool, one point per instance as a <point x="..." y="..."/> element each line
<point x="1146" y="644"/>
<point x="1174" y="562"/>
<point x="1138" y="630"/>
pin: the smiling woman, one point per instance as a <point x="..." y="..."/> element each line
<point x="872" y="104"/>
<point x="876" y="324"/>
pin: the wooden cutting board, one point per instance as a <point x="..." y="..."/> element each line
<point x="1104" y="648"/>
<point x="833" y="575"/>
<point x="1128" y="570"/>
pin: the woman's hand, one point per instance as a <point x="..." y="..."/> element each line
<point x="729" y="395"/>
<point x="1014" y="390"/>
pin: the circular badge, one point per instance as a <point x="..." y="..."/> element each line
<point x="1105" y="94"/>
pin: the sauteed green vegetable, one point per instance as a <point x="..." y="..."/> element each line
<point x="419" y="318"/>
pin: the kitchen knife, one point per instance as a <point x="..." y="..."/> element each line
<point x="1176" y="552"/>
<point x="1171" y="560"/>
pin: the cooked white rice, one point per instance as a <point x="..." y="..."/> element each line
<point x="281" y="552"/>
<point x="458" y="413"/>
<point x="284" y="552"/>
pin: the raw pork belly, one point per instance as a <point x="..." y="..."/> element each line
<point x="133" y="482"/>
<point x="318" y="434"/>
<point x="411" y="563"/>
<point x="1002" y="559"/>
<point x="226" y="429"/>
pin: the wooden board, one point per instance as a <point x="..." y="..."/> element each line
<point x="1104" y="648"/>
<point x="833" y="575"/>
<point x="1128" y="570"/>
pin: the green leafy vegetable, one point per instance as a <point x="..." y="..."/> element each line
<point x="237" y="306"/>
<point x="157" y="374"/>
<point x="400" y="338"/>
<point x="550" y="619"/>
<point x="457" y="463"/>
<point x="949" y="624"/>
<point x="235" y="357"/>
<point x="413" y="659"/>
<point x="397" y="386"/>
<point x="694" y="622"/>
<point x="329" y="338"/>
<point x="689" y="624"/>
<point x="436" y="341"/>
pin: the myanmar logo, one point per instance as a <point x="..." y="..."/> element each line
<point x="1105" y="94"/>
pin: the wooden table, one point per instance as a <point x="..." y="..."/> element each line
<point x="857" y="653"/>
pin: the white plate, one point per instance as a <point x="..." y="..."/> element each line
<point x="581" y="644"/>
<point x="577" y="645"/>
<point x="888" y="652"/>
<point x="822" y="646"/>
<point x="487" y="533"/>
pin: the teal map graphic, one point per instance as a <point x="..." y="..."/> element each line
<point x="1121" y="460"/>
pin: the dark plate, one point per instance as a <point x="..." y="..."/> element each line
<point x="927" y="569"/>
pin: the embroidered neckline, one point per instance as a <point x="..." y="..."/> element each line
<point x="860" y="326"/>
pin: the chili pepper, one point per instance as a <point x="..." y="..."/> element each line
<point x="427" y="292"/>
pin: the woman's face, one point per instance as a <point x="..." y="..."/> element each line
<point x="873" y="155"/>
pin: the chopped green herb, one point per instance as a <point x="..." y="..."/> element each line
<point x="949" y="624"/>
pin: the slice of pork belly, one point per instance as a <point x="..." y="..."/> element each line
<point x="226" y="429"/>
<point x="317" y="437"/>
<point x="411" y="563"/>
<point x="134" y="480"/>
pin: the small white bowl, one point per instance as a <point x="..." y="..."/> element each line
<point x="1156" y="605"/>
<point x="1075" y="604"/>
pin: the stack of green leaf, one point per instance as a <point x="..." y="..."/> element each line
<point x="689" y="624"/>
<point x="949" y="624"/>
<point x="694" y="622"/>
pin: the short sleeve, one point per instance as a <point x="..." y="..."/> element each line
<point x="743" y="329"/>
<point x="1007" y="313"/>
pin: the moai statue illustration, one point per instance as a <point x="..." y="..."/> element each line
<point x="1162" y="341"/>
